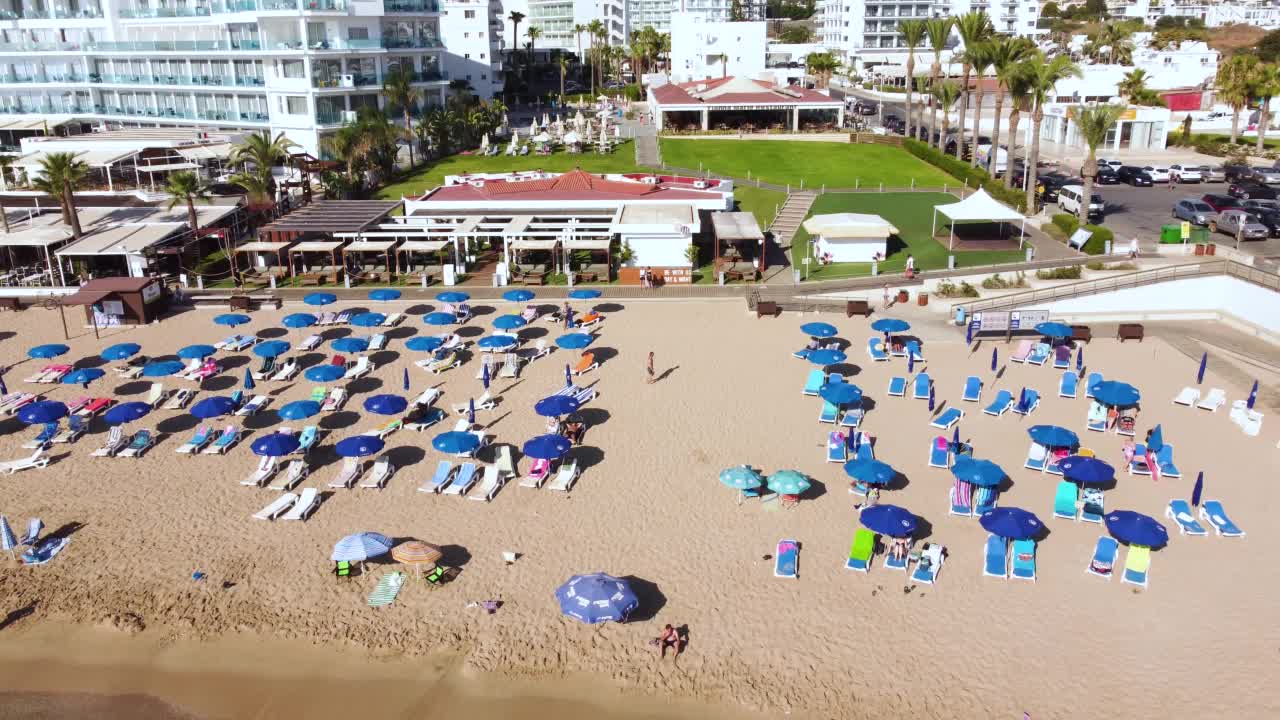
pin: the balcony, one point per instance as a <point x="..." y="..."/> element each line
<point x="16" y="79"/>
<point x="324" y="5"/>
<point x="24" y="47"/>
<point x="255" y="117"/>
<point x="329" y="118"/>
<point x="430" y="76"/>
<point x="400" y="43"/>
<point x="176" y="80"/>
<point x="87" y="13"/>
<point x="170" y="46"/>
<point x="147" y="13"/>
<point x="410" y="6"/>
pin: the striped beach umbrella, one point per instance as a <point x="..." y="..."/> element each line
<point x="360" y="547"/>
<point x="416" y="552"/>
<point x="7" y="540"/>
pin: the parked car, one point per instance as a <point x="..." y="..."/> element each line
<point x="1185" y="173"/>
<point x="1247" y="190"/>
<point x="1240" y="222"/>
<point x="1070" y="197"/>
<point x="1134" y="175"/>
<point x="1270" y="218"/>
<point x="1266" y="176"/>
<point x="862" y="108"/>
<point x="1106" y="176"/>
<point x="1052" y="184"/>
<point x="1220" y="203"/>
<point x="1236" y="173"/>
<point x="1254" y="205"/>
<point x="1194" y="211"/>
<point x="1158" y="173"/>
<point x="1212" y="174"/>
<point x="1115" y="164"/>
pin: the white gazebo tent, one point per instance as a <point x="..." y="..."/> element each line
<point x="850" y="237"/>
<point x="978" y="207"/>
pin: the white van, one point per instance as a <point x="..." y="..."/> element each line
<point x="1001" y="160"/>
<point x="1071" y="196"/>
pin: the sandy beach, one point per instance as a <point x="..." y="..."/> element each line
<point x="830" y="644"/>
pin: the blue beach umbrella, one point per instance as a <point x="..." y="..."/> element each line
<point x="386" y="404"/>
<point x="83" y="376"/>
<point x="455" y="442"/>
<point x="1053" y="436"/>
<point x="518" y="296"/>
<point x="299" y="320"/>
<point x="555" y="406"/>
<point x="384" y="295"/>
<point x="968" y="333"/>
<point x="584" y="294"/>
<point x="819" y="329"/>
<point x="1253" y="396"/>
<point x="360" y="547"/>
<point x="298" y="410"/>
<point x="741" y="477"/>
<point x="121" y="351"/>
<point x="471" y="410"/>
<point x="1054" y="329"/>
<point x="276" y="444"/>
<point x="890" y="325"/>
<point x="231" y="319"/>
<point x="406" y="379"/>
<point x="271" y="348"/>
<point x="574" y="341"/>
<point x="320" y="299"/>
<point x="1086" y="470"/>
<point x="596" y="598"/>
<point x="871" y="472"/>
<point x="995" y="356"/>
<point x="439" y="318"/>
<point x="888" y="520"/>
<point x="325" y="373"/>
<point x="1134" y="528"/>
<point x="509" y="322"/>
<point x="196" y="352"/>
<point x="4" y="389"/>
<point x="1204" y="363"/>
<point x="1156" y="440"/>
<point x="840" y="393"/>
<point x="825" y="357"/>
<point x="350" y="344"/>
<point x="1011" y="522"/>
<point x="1197" y="490"/>
<point x="212" y="407"/>
<point x="248" y="383"/>
<point x="1115" y="393"/>
<point x="955" y="436"/>
<point x="788" y="482"/>
<point x="1080" y="358"/>
<point x="162" y="368"/>
<point x="484" y="376"/>
<point x="126" y="412"/>
<point x="546" y="447"/>
<point x="982" y="473"/>
<point x="7" y="540"/>
<point x="424" y="343"/>
<point x="496" y="342"/>
<point x="452" y="296"/>
<point x="368" y="319"/>
<point x="359" y="446"/>
<point x="44" y="352"/>
<point x="45" y="411"/>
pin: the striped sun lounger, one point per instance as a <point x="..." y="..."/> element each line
<point x="387" y="589"/>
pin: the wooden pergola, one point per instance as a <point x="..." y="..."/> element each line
<point x="317" y="225"/>
<point x="737" y="227"/>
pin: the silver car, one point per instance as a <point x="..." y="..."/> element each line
<point x="1265" y="175"/>
<point x="1196" y="212"/>
<point x="1239" y="222"/>
<point x="1185" y="173"/>
<point x="1212" y="174"/>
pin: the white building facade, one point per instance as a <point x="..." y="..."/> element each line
<point x="703" y="47"/>
<point x="659" y="14"/>
<point x="1258" y="13"/>
<point x="302" y="67"/>
<point x="868" y="29"/>
<point x="557" y="19"/>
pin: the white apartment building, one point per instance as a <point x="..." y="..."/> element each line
<point x="302" y="67"/>
<point x="1259" y="13"/>
<point x="557" y="18"/>
<point x="658" y="13"/>
<point x="868" y="29"/>
<point x="703" y="47"/>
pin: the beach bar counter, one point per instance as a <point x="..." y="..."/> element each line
<point x="121" y="300"/>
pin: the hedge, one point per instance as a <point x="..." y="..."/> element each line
<point x="961" y="170"/>
<point x="1067" y="223"/>
<point x="1096" y="244"/>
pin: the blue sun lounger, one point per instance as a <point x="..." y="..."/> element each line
<point x="1024" y="560"/>
<point x="947" y="418"/>
<point x="1213" y="513"/>
<point x="1140" y="464"/>
<point x="837" y="448"/>
<point x="893" y="563"/>
<point x="1067" y="387"/>
<point x="1039" y="354"/>
<point x="913" y="349"/>
<point x="787" y="559"/>
<point x="1061" y="361"/>
<point x="996" y="557"/>
<point x="828" y="413"/>
<point x="1064" y="500"/>
<point x="1164" y="458"/>
<point x="920" y="389"/>
<point x="802" y="353"/>
<point x="814" y="382"/>
<point x="1179" y="511"/>
<point x="897" y="386"/>
<point x="852" y="417"/>
<point x="1032" y="402"/>
<point x="1001" y="405"/>
<point x="1092" y="381"/>
<point x="984" y="499"/>
<point x="875" y="349"/>
<point x="1104" y="557"/>
<point x="1037" y="456"/>
<point x="972" y="389"/>
<point x="939" y="457"/>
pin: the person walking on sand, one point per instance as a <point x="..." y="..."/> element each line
<point x="649" y="370"/>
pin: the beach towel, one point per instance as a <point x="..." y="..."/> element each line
<point x="47" y="550"/>
<point x="387" y="589"/>
<point x="964" y="494"/>
<point x="788" y="557"/>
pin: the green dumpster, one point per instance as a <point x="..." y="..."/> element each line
<point x="1199" y="235"/>
<point x="1171" y="233"/>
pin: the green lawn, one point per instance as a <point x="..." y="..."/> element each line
<point x="912" y="214"/>
<point x="816" y="163"/>
<point x="761" y="202"/>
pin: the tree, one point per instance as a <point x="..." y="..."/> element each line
<point x="735" y="12"/>
<point x="441" y="124"/>
<point x="980" y="57"/>
<point x="563" y="62"/>
<point x="912" y="35"/>
<point x="516" y="18"/>
<point x="1234" y="83"/>
<point x="185" y="188"/>
<point x="257" y="187"/>
<point x="533" y="33"/>
<point x="1112" y="44"/>
<point x="1093" y="123"/>
<point x="1050" y="9"/>
<point x="61" y="174"/>
<point x="1042" y="75"/>
<point x="947" y="92"/>
<point x="1019" y="87"/>
<point x="397" y="85"/>
<point x="795" y="35"/>
<point x="939" y="32"/>
<point x="259" y="153"/>
<point x="595" y="29"/>
<point x="578" y="29"/>
<point x="1006" y="54"/>
<point x="974" y="29"/>
<point x="1266" y="85"/>
<point x="822" y="66"/>
<point x="1095" y="8"/>
<point x="1268" y="48"/>
<point x="1133" y="84"/>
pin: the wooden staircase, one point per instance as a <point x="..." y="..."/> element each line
<point x="790" y="215"/>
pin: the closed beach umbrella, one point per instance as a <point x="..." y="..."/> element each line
<point x="1156" y="440"/>
<point x="361" y="547"/>
<point x="45" y="411"/>
<point x="574" y="341"/>
<point x="968" y="333"/>
<point x="416" y="552"/>
<point x="1134" y="528"/>
<point x="4" y="389"/>
<point x="788" y="482"/>
<point x="196" y="352"/>
<point x="121" y="351"/>
<point x="555" y="406"/>
<point x="888" y="520"/>
<point x="597" y="598"/>
<point x="1012" y="523"/>
<point x="126" y="412"/>
<point x="1115" y="393"/>
<point x="406" y="379"/>
<point x="298" y="410"/>
<point x="568" y="375"/>
<point x="484" y="376"/>
<point x="496" y="342"/>
<point x="932" y="400"/>
<point x="452" y="296"/>
<point x="247" y="383"/>
<point x="471" y="410"/>
<point x="271" y="348"/>
<point x="350" y="344"/>
<point x="359" y="446"/>
<point x="44" y="352"/>
<point x="299" y="320"/>
<point x="546" y="447"/>
<point x="231" y="319"/>
<point x="1054" y="329"/>
<point x="320" y="299"/>
<point x="439" y="318"/>
<point x="825" y="357"/>
<point x="911" y="362"/>
<point x="386" y="404"/>
<point x="509" y="322"/>
<point x="325" y="373"/>
<point x="368" y="319"/>
<point x="1053" y="436"/>
<point x="83" y="376"/>
<point x="384" y="295"/>
<point x="1080" y="358"/>
<point x="7" y="540"/>
<point x="162" y="368"/>
<point x="955" y="436"/>
<point x="995" y="356"/>
<point x="1086" y="470"/>
<point x="1253" y="396"/>
<point x="276" y="444"/>
<point x="840" y="393"/>
<point x="455" y="442"/>
<point x="741" y="477"/>
<point x="212" y="407"/>
<point x="1204" y="363"/>
<point x="890" y="325"/>
<point x="584" y="294"/>
<point x="518" y="295"/>
<point x="819" y="329"/>
<point x="424" y="343"/>
<point x="871" y="472"/>
<point x="983" y="473"/>
<point x="1197" y="490"/>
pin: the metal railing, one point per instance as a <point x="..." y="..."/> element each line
<point x="1104" y="285"/>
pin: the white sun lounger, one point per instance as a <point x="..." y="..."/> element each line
<point x="492" y="481"/>
<point x="427" y="397"/>
<point x="510" y="366"/>
<point x="253" y="406"/>
<point x="276" y="508"/>
<point x="224" y="442"/>
<point x="295" y="473"/>
<point x="311" y="342"/>
<point x="484" y="402"/>
<point x="1189" y="396"/>
<point x="156" y="395"/>
<point x="37" y="459"/>
<point x="267" y="467"/>
<point x="115" y="442"/>
<point x="337" y="396"/>
<point x="362" y="367"/>
<point x="565" y="477"/>
<point x="350" y="471"/>
<point x="393" y="319"/>
<point x="180" y="399"/>
<point x="286" y="371"/>
<point x="382" y="472"/>
<point x="1216" y="398"/>
<point x="308" y="501"/>
<point x="378" y="342"/>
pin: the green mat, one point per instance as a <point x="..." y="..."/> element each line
<point x="387" y="589"/>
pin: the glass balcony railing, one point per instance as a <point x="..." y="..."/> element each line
<point x="172" y="46"/>
<point x="254" y="116"/>
<point x="430" y="76"/>
<point x="328" y="118"/>
<point x="395" y="43"/>
<point x="38" y="79"/>
<point x="140" y="13"/>
<point x="278" y="4"/>
<point x="324" y="5"/>
<point x="42" y="47"/>
<point x="85" y="13"/>
<point x="410" y="6"/>
<point x="187" y="80"/>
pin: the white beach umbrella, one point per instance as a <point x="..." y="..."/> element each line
<point x="572" y="138"/>
<point x="484" y="142"/>
<point x="588" y="134"/>
<point x="533" y="127"/>
<point x="617" y="131"/>
<point x="546" y="119"/>
<point x="578" y="119"/>
<point x="542" y="138"/>
<point x="515" y="137"/>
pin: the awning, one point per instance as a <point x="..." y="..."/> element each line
<point x="379" y="246"/>
<point x="316" y="246"/>
<point x="217" y="151"/>
<point x="979" y="207"/>
<point x="736" y="226"/>
<point x="85" y="297"/>
<point x="527" y="244"/>
<point x="92" y="158"/>
<point x="586" y="243"/>
<point x="126" y="239"/>
<point x="262" y="246"/>
<point x="35" y="237"/>
<point x="167" y="167"/>
<point x="421" y="246"/>
<point x="849" y="225"/>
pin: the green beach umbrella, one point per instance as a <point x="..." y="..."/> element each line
<point x="741" y="477"/>
<point x="788" y="482"/>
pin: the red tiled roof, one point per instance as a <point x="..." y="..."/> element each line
<point x="768" y="94"/>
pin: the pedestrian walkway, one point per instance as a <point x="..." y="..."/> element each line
<point x="784" y="227"/>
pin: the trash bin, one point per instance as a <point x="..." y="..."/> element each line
<point x="1170" y="233"/>
<point x="1199" y="235"/>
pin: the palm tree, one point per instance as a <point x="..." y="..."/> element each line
<point x="1019" y="87"/>
<point x="61" y="173"/>
<point x="516" y="18"/>
<point x="1093" y="123"/>
<point x="974" y="29"/>
<point x="1235" y="86"/>
<point x="1006" y="53"/>
<point x="1042" y="75"/>
<point x="397" y="85"/>
<point x="939" y="32"/>
<point x="185" y="188"/>
<point x="257" y="187"/>
<point x="912" y="35"/>
<point x="563" y="62"/>
<point x="1133" y="85"/>
<point x="946" y="92"/>
<point x="578" y="29"/>
<point x="822" y="66"/>
<point x="533" y="33"/>
<point x="1266" y="85"/>
<point x="980" y="56"/>
<point x="595" y="29"/>
<point x="441" y="125"/>
<point x="263" y="152"/>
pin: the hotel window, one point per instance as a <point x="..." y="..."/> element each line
<point x="292" y="69"/>
<point x="469" y="14"/>
<point x="294" y="104"/>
